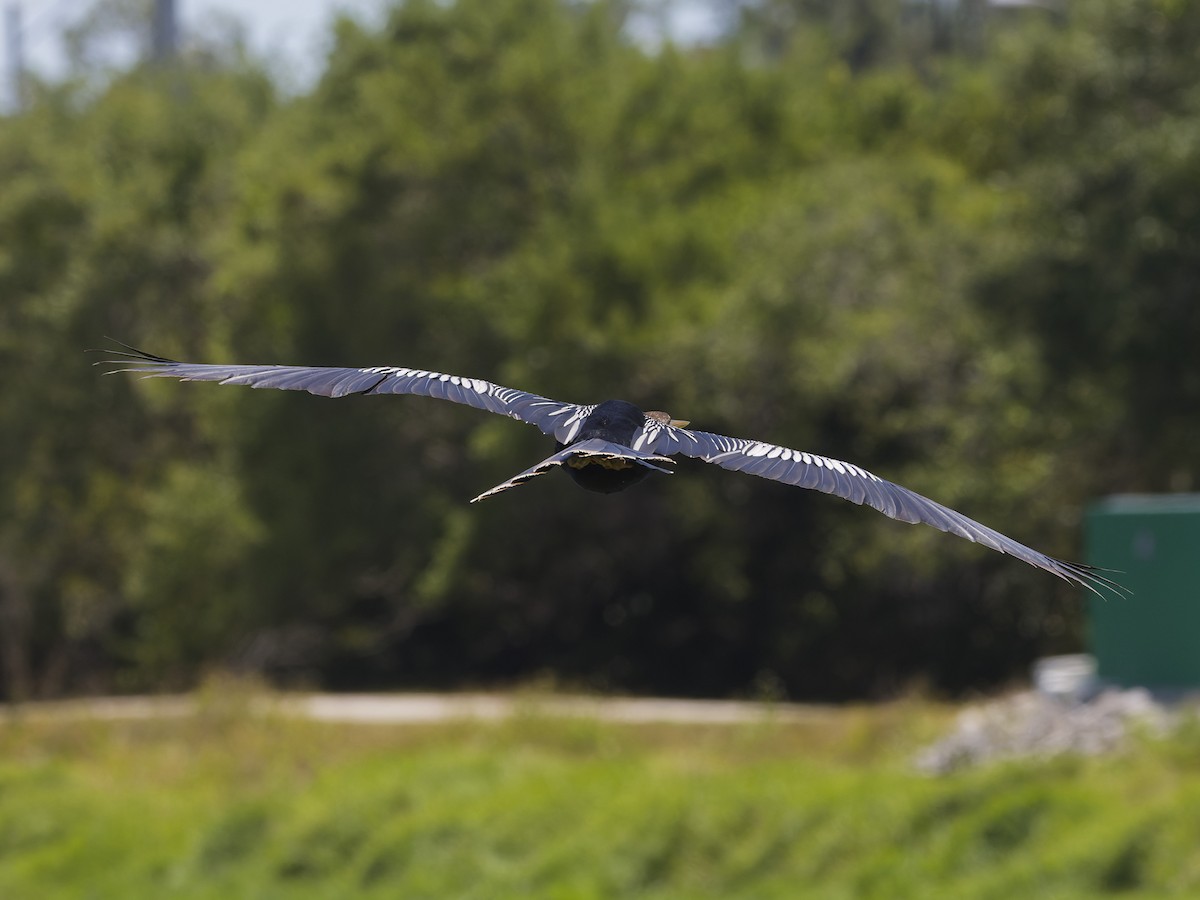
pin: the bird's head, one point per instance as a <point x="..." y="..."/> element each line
<point x="659" y="416"/>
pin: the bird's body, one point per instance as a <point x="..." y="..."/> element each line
<point x="610" y="446"/>
<point x="615" y="421"/>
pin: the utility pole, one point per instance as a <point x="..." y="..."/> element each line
<point x="165" y="36"/>
<point x="14" y="56"/>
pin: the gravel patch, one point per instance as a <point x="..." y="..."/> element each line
<point x="1035" y="725"/>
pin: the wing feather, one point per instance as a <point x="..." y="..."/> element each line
<point x="832" y="476"/>
<point x="553" y="417"/>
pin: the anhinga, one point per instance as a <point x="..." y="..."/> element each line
<point x="610" y="446"/>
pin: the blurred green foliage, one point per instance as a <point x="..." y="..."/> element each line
<point x="960" y="256"/>
<point x="222" y="803"/>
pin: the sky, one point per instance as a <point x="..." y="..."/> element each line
<point x="290" y="32"/>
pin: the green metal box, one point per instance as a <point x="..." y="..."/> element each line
<point x="1153" y="637"/>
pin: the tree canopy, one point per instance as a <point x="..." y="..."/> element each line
<point x="958" y="253"/>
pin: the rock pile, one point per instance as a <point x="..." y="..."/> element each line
<point x="1033" y="724"/>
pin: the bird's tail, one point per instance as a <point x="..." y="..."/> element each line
<point x="602" y="451"/>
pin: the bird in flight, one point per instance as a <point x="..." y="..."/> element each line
<point x="609" y="446"/>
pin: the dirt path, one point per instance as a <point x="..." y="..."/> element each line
<point x="434" y="708"/>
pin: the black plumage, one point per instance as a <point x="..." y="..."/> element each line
<point x="616" y="422"/>
<point x="610" y="446"/>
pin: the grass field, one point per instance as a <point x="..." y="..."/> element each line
<point x="225" y="804"/>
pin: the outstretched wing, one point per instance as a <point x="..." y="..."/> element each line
<point x="553" y="417"/>
<point x="832" y="476"/>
